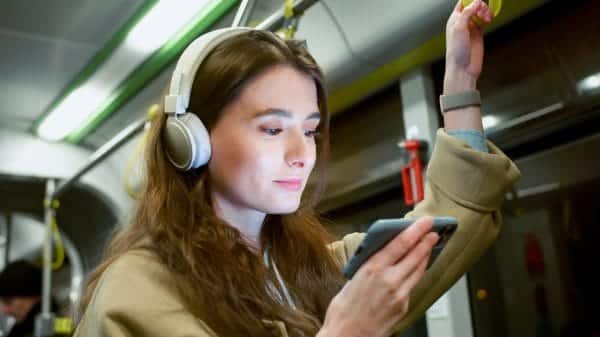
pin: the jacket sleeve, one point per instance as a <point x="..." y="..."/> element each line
<point x="469" y="185"/>
<point x="135" y="298"/>
<point x="464" y="183"/>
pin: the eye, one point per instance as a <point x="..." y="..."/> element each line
<point x="271" y="131"/>
<point x="312" y="133"/>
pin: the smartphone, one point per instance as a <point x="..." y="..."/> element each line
<point x="383" y="231"/>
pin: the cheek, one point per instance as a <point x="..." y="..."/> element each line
<point x="240" y="161"/>
<point x="226" y="161"/>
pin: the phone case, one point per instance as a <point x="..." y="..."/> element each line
<point x="383" y="231"/>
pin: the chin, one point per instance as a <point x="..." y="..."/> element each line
<point x="282" y="209"/>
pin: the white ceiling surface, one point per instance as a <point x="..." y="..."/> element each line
<point x="391" y="27"/>
<point x="45" y="45"/>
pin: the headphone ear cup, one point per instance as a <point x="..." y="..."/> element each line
<point x="187" y="142"/>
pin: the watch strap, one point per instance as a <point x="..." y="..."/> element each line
<point x="460" y="100"/>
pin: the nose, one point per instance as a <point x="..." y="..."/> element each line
<point x="297" y="150"/>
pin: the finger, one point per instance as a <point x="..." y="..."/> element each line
<point x="414" y="258"/>
<point x="414" y="278"/>
<point x="420" y="271"/>
<point x="403" y="242"/>
<point x="469" y="12"/>
<point x="484" y="12"/>
<point x="490" y="14"/>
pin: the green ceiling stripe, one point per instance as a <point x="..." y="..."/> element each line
<point x="428" y="52"/>
<point x="97" y="60"/>
<point x="150" y="68"/>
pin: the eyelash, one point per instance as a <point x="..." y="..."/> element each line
<point x="276" y="131"/>
<point x="313" y="133"/>
<point x="271" y="131"/>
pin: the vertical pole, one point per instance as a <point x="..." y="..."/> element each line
<point x="8" y="227"/>
<point x="419" y="107"/>
<point x="47" y="268"/>
<point x="44" y="322"/>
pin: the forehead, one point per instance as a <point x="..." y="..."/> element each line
<point x="281" y="87"/>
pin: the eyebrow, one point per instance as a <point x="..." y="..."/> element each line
<point x="284" y="113"/>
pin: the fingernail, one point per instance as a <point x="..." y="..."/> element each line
<point x="435" y="238"/>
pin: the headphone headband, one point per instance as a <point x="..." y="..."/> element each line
<point x="178" y="99"/>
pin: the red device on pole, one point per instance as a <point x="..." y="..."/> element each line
<point x="412" y="173"/>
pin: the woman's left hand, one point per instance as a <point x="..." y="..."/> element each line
<point x="464" y="46"/>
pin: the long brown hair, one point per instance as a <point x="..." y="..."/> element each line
<point x="208" y="258"/>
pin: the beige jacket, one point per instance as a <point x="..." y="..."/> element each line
<point x="135" y="297"/>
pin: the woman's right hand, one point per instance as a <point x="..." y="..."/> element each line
<point x="378" y="295"/>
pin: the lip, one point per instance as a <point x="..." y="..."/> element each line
<point x="290" y="184"/>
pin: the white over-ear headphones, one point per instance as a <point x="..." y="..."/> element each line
<point x="186" y="138"/>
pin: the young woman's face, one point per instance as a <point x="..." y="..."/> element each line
<point x="263" y="146"/>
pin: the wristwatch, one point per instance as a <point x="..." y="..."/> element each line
<point x="460" y="100"/>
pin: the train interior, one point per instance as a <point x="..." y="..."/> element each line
<point x="541" y="92"/>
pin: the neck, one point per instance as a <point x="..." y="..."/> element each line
<point x="248" y="221"/>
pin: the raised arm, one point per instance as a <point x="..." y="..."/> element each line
<point x="463" y="180"/>
<point x="464" y="61"/>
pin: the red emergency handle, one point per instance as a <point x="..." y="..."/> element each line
<point x="412" y="174"/>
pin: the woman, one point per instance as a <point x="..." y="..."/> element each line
<point x="232" y="249"/>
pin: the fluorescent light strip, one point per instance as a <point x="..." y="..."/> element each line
<point x="164" y="21"/>
<point x="589" y="84"/>
<point x="490" y="121"/>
